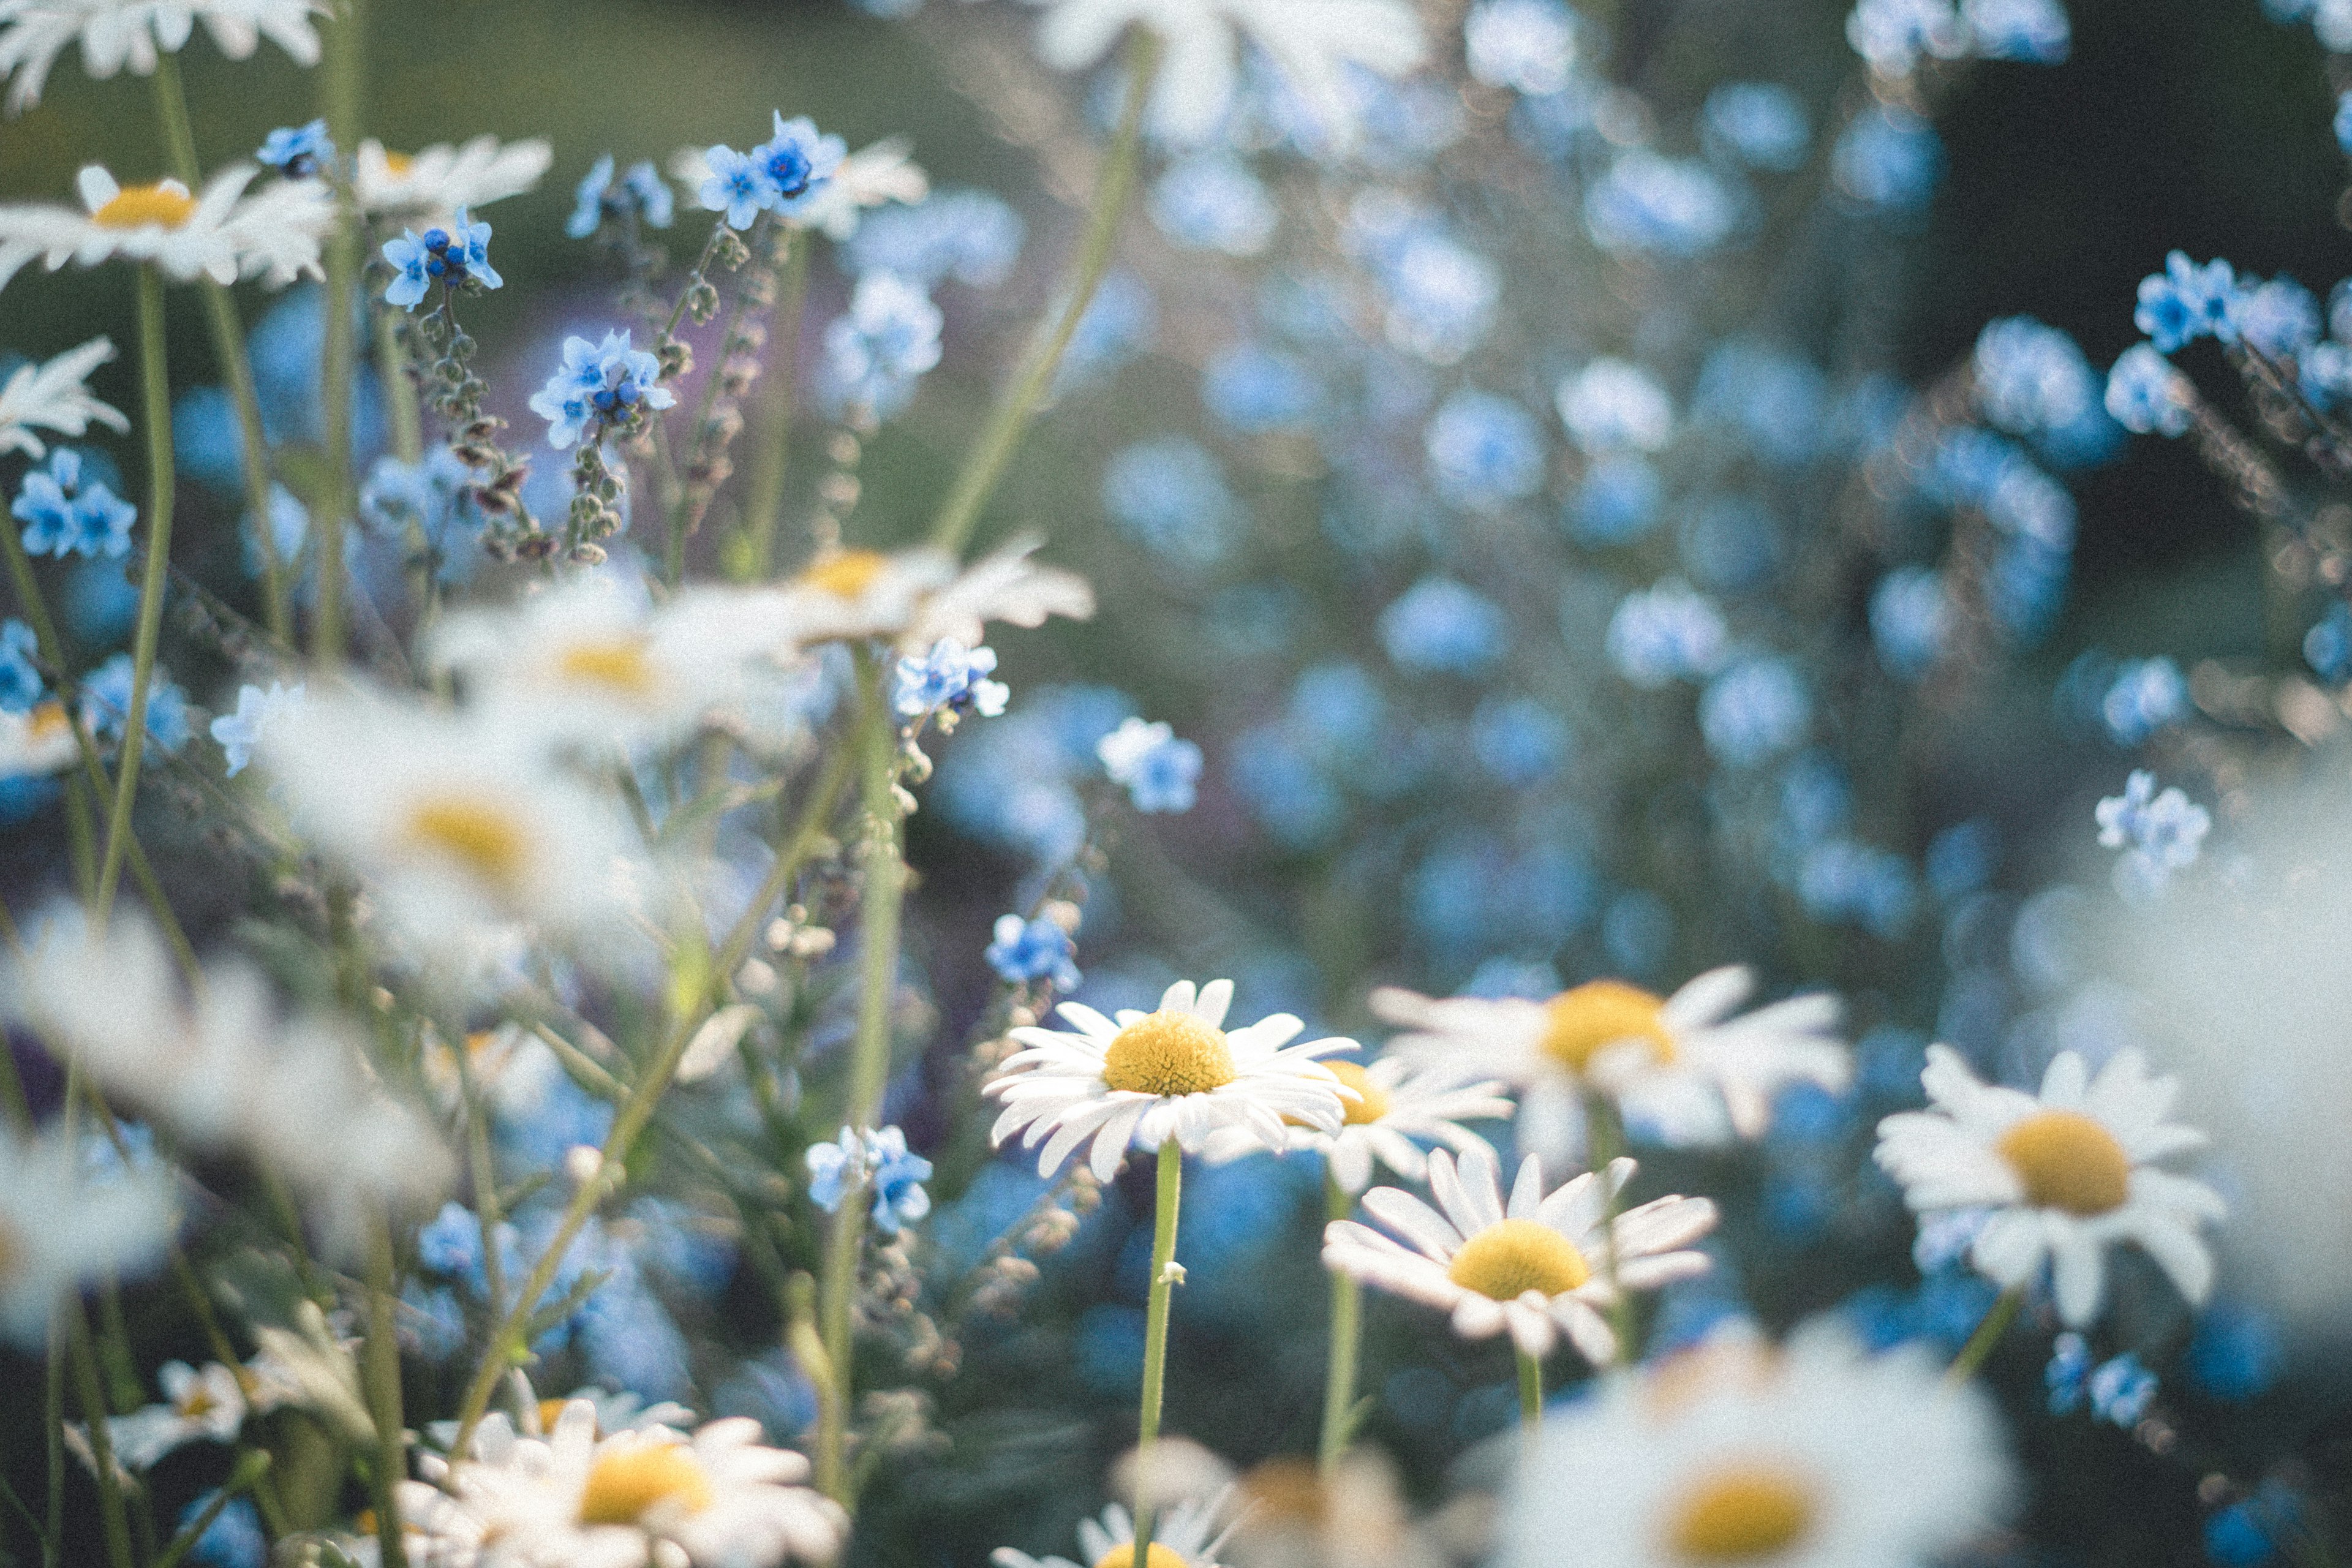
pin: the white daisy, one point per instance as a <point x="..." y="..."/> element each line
<point x="1310" y="41"/>
<point x="1189" y="1535"/>
<point x="574" y="1499"/>
<point x="2065" y="1172"/>
<point x="1145" y="1078"/>
<point x="222" y="234"/>
<point x="38" y="741"/>
<point x="55" y="396"/>
<point x="457" y="826"/>
<point x="138" y="33"/>
<point x="1396" y="1102"/>
<point x="1681" y="1069"/>
<point x="436" y="182"/>
<point x="1538" y="1266"/>
<point x="918" y="596"/>
<point x="61" y="1229"/>
<point x="197" y="1406"/>
<point x="1814" y="1456"/>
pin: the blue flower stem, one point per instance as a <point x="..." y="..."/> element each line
<point x="1155" y="1340"/>
<point x="1346" y="1344"/>
<point x="1604" y="1140"/>
<point x="763" y="495"/>
<point x="341" y="85"/>
<point x="1530" y="1393"/>
<point x="382" y="1374"/>
<point x="1009" y="421"/>
<point x="229" y="348"/>
<point x="1997" y="1320"/>
<point x="707" y="443"/>
<point x="155" y="378"/>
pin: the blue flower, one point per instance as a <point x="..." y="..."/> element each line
<point x="735" y="186"/>
<point x="641" y="193"/>
<point x="1211" y="201"/>
<point x="1170" y="494"/>
<point x="1760" y="123"/>
<point x="2069" y="1369"/>
<point x="240" y="732"/>
<point x="439" y="255"/>
<point x="2121" y="1391"/>
<point x="1251" y="389"/>
<point x="1120" y="323"/>
<point x="65" y="512"/>
<point x="1910" y="615"/>
<point x="1483" y="451"/>
<point x="605" y="384"/>
<point x="297" y="152"/>
<point x="880" y="1160"/>
<point x="2148" y="695"/>
<point x="795" y="164"/>
<point x="1754" y="709"/>
<point x="233" y="1540"/>
<point x="21" y="686"/>
<point x="1518" y="740"/>
<point x="2146" y="395"/>
<point x="452" y="1244"/>
<point x="970" y="237"/>
<point x="2343" y="122"/>
<point x="1675" y="207"/>
<point x="2185" y="302"/>
<point x="875" y="354"/>
<point x="2234" y="1355"/>
<point x="105" y="705"/>
<point x="1617" y="501"/>
<point x="434" y="497"/>
<point x="2036" y="31"/>
<point x="1666" y="634"/>
<point x="1028" y="951"/>
<point x="1888" y="159"/>
<point x="1527" y="46"/>
<point x="2159" y="834"/>
<point x="1441" y="626"/>
<point x="1159" y="772"/>
<point x="950" y="677"/>
<point x="2279" y="319"/>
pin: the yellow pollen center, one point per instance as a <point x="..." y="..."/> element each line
<point x="1505" y="1261"/>
<point x="627" y="1483"/>
<point x="484" y="839"/>
<point x="846" y="574"/>
<point x="1581" y="1024"/>
<point x="1373" y="1101"/>
<point x="164" y="206"/>
<point x="619" y="665"/>
<point x="397" y="165"/>
<point x="1743" y="1514"/>
<point x="1159" y="1554"/>
<point x="199" y="1403"/>
<point x="1168" y="1053"/>
<point x="47" y="721"/>
<point x="551" y="1411"/>
<point x="2066" y="1160"/>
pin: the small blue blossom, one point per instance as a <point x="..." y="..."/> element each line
<point x="2147" y="695"/>
<point x="1760" y="123"/>
<point x="297" y="152"/>
<point x="1026" y="951"/>
<point x="1888" y="160"/>
<point x="452" y="1244"/>
<point x="68" y="512"/>
<point x="21" y="686"/>
<point x="1910" y="616"/>
<point x="1665" y="634"/>
<point x="451" y="257"/>
<point x="2235" y="1354"/>
<point x="2033" y="381"/>
<point x="641" y="194"/>
<point x="1171" y="495"/>
<point x="795" y="164"/>
<point x="2185" y="302"/>
<point x="233" y="1540"/>
<point x="2159" y="834"/>
<point x="1483" y="451"/>
<point x="735" y="186"/>
<point x="604" y="384"/>
<point x="1439" y="626"/>
<point x="1211" y="201"/>
<point x="1612" y="404"/>
<point x="2239" y="1536"/>
<point x="1121" y="321"/>
<point x="1252" y="388"/>
<point x="951" y="679"/>
<point x="1159" y="772"/>
<point x="2343" y="122"/>
<point x="434" y="498"/>
<point x="1777" y="401"/>
<point x="1518" y="740"/>
<point x="2121" y="1391"/>
<point x="1677" y="207"/>
<point x="2035" y="31"/>
<point x="105" y="705"/>
<point x="2068" y="1371"/>
<point x="1617" y="501"/>
<point x="969" y="237"/>
<point x="2146" y="395"/>
<point x="878" y="1161"/>
<point x="1944" y="1237"/>
<point x="1754" y="709"/>
<point x="240" y="732"/>
<point x="875" y="356"/>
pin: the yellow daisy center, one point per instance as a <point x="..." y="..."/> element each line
<point x="1159" y="1554"/>
<point x="626" y="1484"/>
<point x="2066" y="1160"/>
<point x="618" y="664"/>
<point x="1582" y="1023"/>
<point x="164" y="204"/>
<point x="397" y="165"/>
<point x="198" y="1401"/>
<point x="483" y="838"/>
<point x="1743" y="1514"/>
<point x="551" y="1411"/>
<point x="1505" y="1261"/>
<point x="47" y="722"/>
<point x="1373" y="1100"/>
<point x="1168" y="1053"/>
<point x="847" y="573"/>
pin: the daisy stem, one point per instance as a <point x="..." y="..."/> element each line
<point x="1346" y="1343"/>
<point x="113" y="1516"/>
<point x="1604" y="1140"/>
<point x="763" y="499"/>
<point x="1530" y="1392"/>
<point x="1997" y="1319"/>
<point x="341" y="85"/>
<point x="1021" y="397"/>
<point x="384" y="1394"/>
<point x="1155" y="1340"/>
<point x="150" y="594"/>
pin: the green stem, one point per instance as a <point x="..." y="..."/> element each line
<point x="399" y="392"/>
<point x="1346" y="1344"/>
<point x="384" y="1396"/>
<point x="341" y="87"/>
<point x="1604" y="1141"/>
<point x="1530" y="1392"/>
<point x="1155" y="1340"/>
<point x="114" y="1518"/>
<point x="1018" y="405"/>
<point x="764" y="501"/>
<point x="1996" y="1323"/>
<point x="150" y="595"/>
<point x="844" y="1250"/>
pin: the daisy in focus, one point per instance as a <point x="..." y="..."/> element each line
<point x="1189" y="1535"/>
<point x="1144" y="1078"/>
<point x="222" y="234"/>
<point x="139" y="33"/>
<point x="429" y="186"/>
<point x="56" y="396"/>
<point x="2064" y="1173"/>
<point x="717" y="1498"/>
<point x="1397" y="1102"/>
<point x="917" y="597"/>
<point x="1682" y="1068"/>
<point x="1814" y="1456"/>
<point x="1538" y="1266"/>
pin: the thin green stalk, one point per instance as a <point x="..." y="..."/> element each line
<point x="1155" y="1340"/>
<point x="1604" y="1140"/>
<point x="842" y="1253"/>
<point x="1530" y="1392"/>
<point x="114" y="1520"/>
<point x="630" y="1119"/>
<point x="157" y="381"/>
<point x="677" y="505"/>
<point x="341" y="85"/>
<point x="228" y="347"/>
<point x="1346" y="1344"/>
<point x="1009" y="421"/>
<point x="383" y="1397"/>
<point x="54" y="1414"/>
<point x="399" y="392"/>
<point x="771" y="442"/>
<point x="1996" y="1323"/>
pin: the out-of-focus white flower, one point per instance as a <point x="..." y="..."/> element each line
<point x="434" y="183"/>
<point x="917" y="597"/>
<point x="2065" y="1172"/>
<point x="310" y="1367"/>
<point x="1311" y="41"/>
<point x="1190" y="1535"/>
<point x="139" y="33"/>
<point x="1815" y="1456"/>
<point x="61" y="1228"/>
<point x="197" y="1406"/>
<point x="222" y="234"/>
<point x="37" y="741"/>
<point x="53" y="395"/>
<point x="1397" y="1102"/>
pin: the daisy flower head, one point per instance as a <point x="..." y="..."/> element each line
<point x="54" y="395"/>
<point x="1190" y="1535"/>
<point x="60" y="1227"/>
<point x="197" y="1406"/>
<point x="1311" y="42"/>
<point x="919" y="597"/>
<point x="40" y="739"/>
<point x="1683" y="1068"/>
<point x="1815" y="1456"/>
<point x="1399" y="1106"/>
<point x="222" y="234"/>
<point x="2064" y="1173"/>
<point x="572" y="1499"/>
<point x="429" y="186"/>
<point x="1537" y="1266"/>
<point x="1144" y="1078"/>
<point x="139" y="33"/>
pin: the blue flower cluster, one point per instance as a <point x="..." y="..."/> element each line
<point x="458" y="259"/>
<point x="66" y="511"/>
<point x="604" y="387"/>
<point x="876" y="1162"/>
<point x="783" y="175"/>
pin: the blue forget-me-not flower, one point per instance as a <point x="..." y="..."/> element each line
<point x="68" y="512"/>
<point x="878" y="1161"/>
<point x="1159" y="772"/>
<point x="453" y="257"/>
<point x="1026" y="951"/>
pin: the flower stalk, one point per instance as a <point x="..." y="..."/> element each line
<point x="1164" y="1275"/>
<point x="341" y="85"/>
<point x="1347" y="1345"/>
<point x="1997" y="1320"/>
<point x="763" y="499"/>
<point x="1530" y="1392"/>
